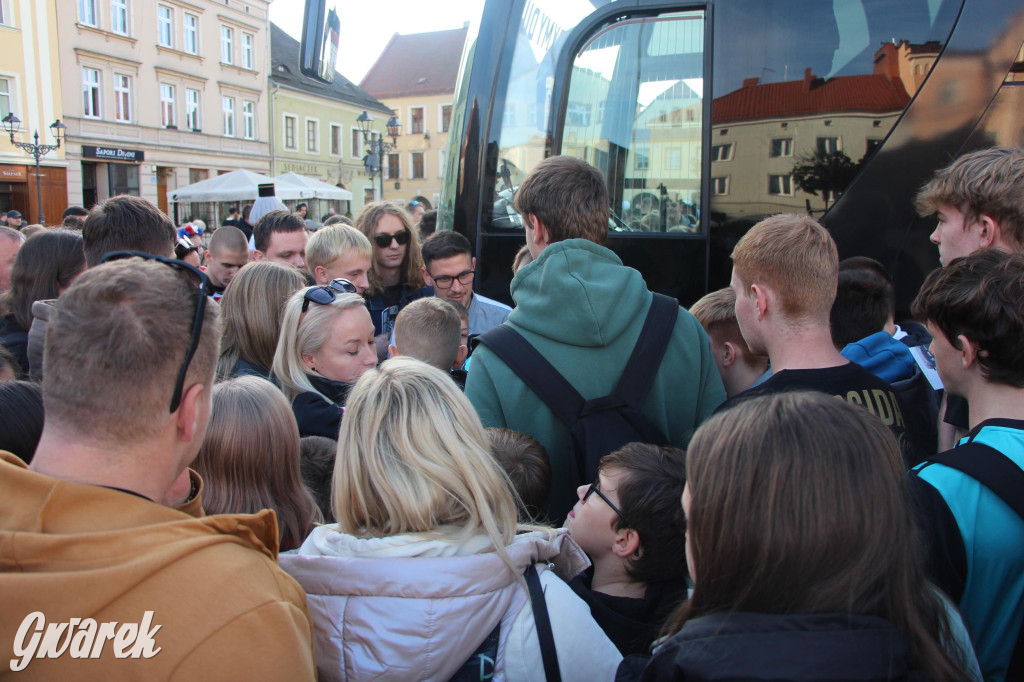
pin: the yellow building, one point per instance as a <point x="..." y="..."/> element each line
<point x="314" y="130"/>
<point x="415" y="75"/>
<point x="30" y="88"/>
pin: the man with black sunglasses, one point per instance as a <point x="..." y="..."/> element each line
<point x="92" y="539"/>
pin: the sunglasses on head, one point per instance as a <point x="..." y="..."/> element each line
<point x="197" y="318"/>
<point x="325" y="294"/>
<point x="384" y="240"/>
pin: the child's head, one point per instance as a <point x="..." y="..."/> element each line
<point x="526" y="462"/>
<point x="463" y="329"/>
<point x="339" y="251"/>
<point x="638" y="519"/>
<point x="865" y="301"/>
<point x="429" y="329"/>
<point x="736" y="364"/>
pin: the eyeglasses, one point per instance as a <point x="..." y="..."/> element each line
<point x="383" y="241"/>
<point x="197" y="318"/>
<point x="446" y="281"/>
<point x="594" y="489"/>
<point x="327" y="293"/>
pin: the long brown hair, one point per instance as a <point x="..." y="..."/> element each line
<point x="45" y="266"/>
<point x="798" y="505"/>
<point x="366" y="222"/>
<point x="250" y="458"/>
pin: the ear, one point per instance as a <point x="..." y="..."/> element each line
<point x="989" y="231"/>
<point x="426" y="276"/>
<point x="258" y="255"/>
<point x="627" y="543"/>
<point x="308" y="361"/>
<point x="763" y="297"/>
<point x="968" y="351"/>
<point x="541" y="236"/>
<point x="460" y="357"/>
<point x="393" y="351"/>
<point x="729" y="353"/>
<point x="320" y="275"/>
<point x="188" y="413"/>
<point x="472" y="264"/>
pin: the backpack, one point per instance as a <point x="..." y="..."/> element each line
<point x="602" y="425"/>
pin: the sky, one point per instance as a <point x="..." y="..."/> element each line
<point x="367" y="25"/>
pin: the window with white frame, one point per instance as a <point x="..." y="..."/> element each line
<point x="336" y="134"/>
<point x="356" y="148"/>
<point x="673" y="159"/>
<point x="227" y="105"/>
<point x="782" y="146"/>
<point x="249" y="120"/>
<point x="781" y="185"/>
<point x="290" y="122"/>
<point x="312" y="136"/>
<point x="192" y="109"/>
<point x="91" y="93"/>
<point x="167" y="113"/>
<point x="417" y="124"/>
<point x="248" y="60"/>
<point x="164" y="26"/>
<point x="119" y="16"/>
<point x="5" y="97"/>
<point x="417" y="165"/>
<point x="87" y="13"/>
<point x="394" y="169"/>
<point x="191" y="34"/>
<point x="122" y="98"/>
<point x="720" y="185"/>
<point x="828" y="145"/>
<point x="446" y="117"/>
<point x="227" y="45"/>
<point x="721" y="152"/>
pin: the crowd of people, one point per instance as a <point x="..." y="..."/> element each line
<point x="275" y="452"/>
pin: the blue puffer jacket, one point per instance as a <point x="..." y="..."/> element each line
<point x="883" y="356"/>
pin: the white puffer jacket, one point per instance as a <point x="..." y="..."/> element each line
<point x="410" y="608"/>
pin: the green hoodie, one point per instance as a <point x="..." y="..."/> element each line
<point x="582" y="309"/>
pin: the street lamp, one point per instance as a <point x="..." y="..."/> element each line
<point x="373" y="162"/>
<point x="12" y="124"/>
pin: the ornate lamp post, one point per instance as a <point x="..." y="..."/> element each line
<point x="12" y="124"/>
<point x="373" y="162"/>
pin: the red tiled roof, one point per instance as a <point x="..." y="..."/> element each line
<point x="874" y="93"/>
<point x="417" y="64"/>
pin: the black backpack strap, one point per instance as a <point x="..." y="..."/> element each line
<point x="535" y="371"/>
<point x="544" y="634"/>
<point x="644" y="362"/>
<point x="991" y="468"/>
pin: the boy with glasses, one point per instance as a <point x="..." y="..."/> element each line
<point x="630" y="523"/>
<point x="449" y="267"/>
<point x="92" y="538"/>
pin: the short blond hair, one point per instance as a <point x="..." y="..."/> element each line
<point x="331" y="242"/>
<point x="986" y="182"/>
<point x="115" y="344"/>
<point x="430" y="330"/>
<point x="795" y="257"/>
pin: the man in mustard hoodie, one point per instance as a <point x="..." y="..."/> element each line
<point x="101" y="578"/>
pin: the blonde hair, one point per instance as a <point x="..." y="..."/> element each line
<point x="331" y="242"/>
<point x="366" y="222"/>
<point x="252" y="307"/>
<point x="413" y="457"/>
<point x="716" y="312"/>
<point x="250" y="458"/>
<point x="794" y="256"/>
<point x="305" y="334"/>
<point x="430" y="330"/>
<point x="985" y="182"/>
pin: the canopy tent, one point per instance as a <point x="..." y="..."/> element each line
<point x="295" y="186"/>
<point x="238" y="185"/>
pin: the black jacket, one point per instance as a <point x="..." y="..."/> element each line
<point x="798" y="648"/>
<point x="316" y="416"/>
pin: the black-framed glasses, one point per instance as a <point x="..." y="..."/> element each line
<point x="197" y="318"/>
<point x="383" y="241"/>
<point x="446" y="281"/>
<point x="595" y="489"/>
<point x="325" y="294"/>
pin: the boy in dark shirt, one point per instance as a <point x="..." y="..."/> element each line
<point x="630" y="522"/>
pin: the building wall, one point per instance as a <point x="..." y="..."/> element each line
<point x="334" y="161"/>
<point x="431" y="143"/>
<point x="30" y="88"/>
<point x="164" y="69"/>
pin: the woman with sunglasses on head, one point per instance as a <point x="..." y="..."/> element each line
<point x="424" y="575"/>
<point x="326" y="344"/>
<point x="396" y="273"/>
<point x="805" y="560"/>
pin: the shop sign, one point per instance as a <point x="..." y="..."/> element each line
<point x="14" y="173"/>
<point x="113" y="154"/>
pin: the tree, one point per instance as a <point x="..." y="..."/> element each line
<point x="825" y="172"/>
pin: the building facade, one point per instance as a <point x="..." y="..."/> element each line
<point x="161" y="94"/>
<point x="415" y="75"/>
<point x="314" y="130"/>
<point x="30" y="89"/>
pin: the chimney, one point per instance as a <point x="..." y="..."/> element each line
<point x="808" y="79"/>
<point x="750" y="82"/>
